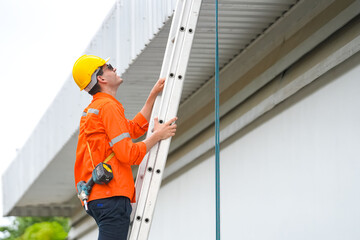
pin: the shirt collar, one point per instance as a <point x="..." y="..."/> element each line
<point x="103" y="95"/>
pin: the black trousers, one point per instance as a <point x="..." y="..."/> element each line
<point x="112" y="216"/>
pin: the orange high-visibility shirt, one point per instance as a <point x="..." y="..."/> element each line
<point x="104" y="126"/>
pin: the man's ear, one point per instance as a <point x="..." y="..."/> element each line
<point x="101" y="79"/>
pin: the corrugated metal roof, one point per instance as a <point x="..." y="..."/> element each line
<point x="240" y="23"/>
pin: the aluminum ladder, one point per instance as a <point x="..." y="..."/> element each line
<point x="166" y="105"/>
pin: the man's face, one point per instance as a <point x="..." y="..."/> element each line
<point x="109" y="73"/>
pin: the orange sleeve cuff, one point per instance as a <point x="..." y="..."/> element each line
<point x="141" y="121"/>
<point x="142" y="150"/>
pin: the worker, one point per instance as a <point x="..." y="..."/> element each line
<point x="104" y="130"/>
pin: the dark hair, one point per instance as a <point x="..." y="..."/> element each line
<point x="96" y="88"/>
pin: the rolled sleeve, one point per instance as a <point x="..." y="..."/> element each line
<point x="142" y="152"/>
<point x="140" y="120"/>
<point x="138" y="126"/>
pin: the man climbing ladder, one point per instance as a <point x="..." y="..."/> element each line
<point x="97" y="118"/>
<point x="104" y="131"/>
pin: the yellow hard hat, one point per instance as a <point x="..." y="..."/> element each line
<point x="85" y="69"/>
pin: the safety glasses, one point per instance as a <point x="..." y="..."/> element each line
<point x="111" y="68"/>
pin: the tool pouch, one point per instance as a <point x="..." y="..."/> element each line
<point x="102" y="174"/>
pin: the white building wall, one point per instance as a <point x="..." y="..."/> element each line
<point x="292" y="174"/>
<point x="186" y="206"/>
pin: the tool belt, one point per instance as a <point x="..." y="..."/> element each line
<point x="102" y="174"/>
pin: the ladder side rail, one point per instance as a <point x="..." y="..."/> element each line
<point x="148" y="162"/>
<point x="151" y="160"/>
<point x="165" y="98"/>
<point x="151" y="156"/>
<point x="175" y="60"/>
<point x="165" y="65"/>
<point x="171" y="112"/>
<point x="169" y="59"/>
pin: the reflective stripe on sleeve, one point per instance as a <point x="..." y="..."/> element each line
<point x="93" y="110"/>
<point x="119" y="138"/>
<point x="90" y="110"/>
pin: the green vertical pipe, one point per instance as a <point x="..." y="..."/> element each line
<point x="217" y="126"/>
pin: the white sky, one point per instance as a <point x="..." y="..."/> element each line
<point x="40" y="41"/>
